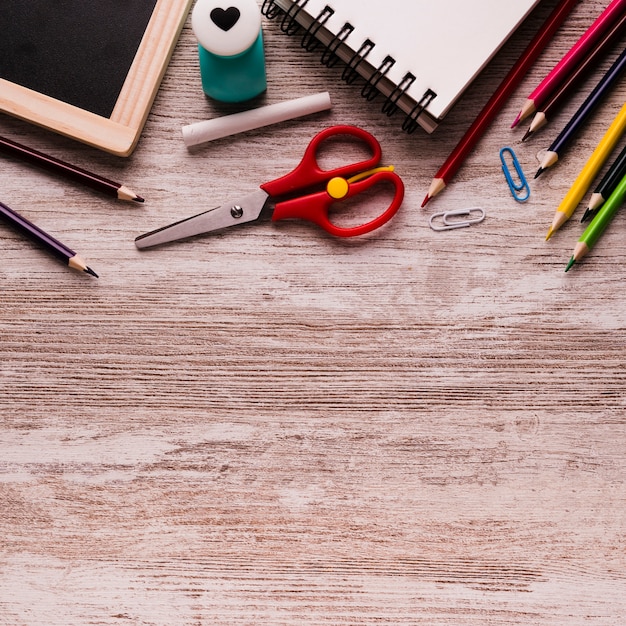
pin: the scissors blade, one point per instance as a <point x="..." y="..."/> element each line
<point x="245" y="209"/>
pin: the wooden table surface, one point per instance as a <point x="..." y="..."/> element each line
<point x="272" y="426"/>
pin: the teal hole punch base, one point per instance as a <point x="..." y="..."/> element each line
<point x="234" y="78"/>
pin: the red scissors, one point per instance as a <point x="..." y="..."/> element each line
<point x="338" y="184"/>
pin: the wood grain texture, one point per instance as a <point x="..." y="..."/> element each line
<point x="270" y="426"/>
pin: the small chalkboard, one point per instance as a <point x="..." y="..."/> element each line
<point x="88" y="70"/>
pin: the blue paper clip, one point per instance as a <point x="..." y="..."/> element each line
<point x="520" y="185"/>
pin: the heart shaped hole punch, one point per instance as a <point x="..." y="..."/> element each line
<point x="225" y="19"/>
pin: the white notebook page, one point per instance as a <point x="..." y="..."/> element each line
<point x="444" y="43"/>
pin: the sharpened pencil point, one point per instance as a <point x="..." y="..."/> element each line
<point x="585" y="216"/>
<point x="527" y="109"/>
<point x="570" y="264"/>
<point x="88" y="270"/>
<point x="540" y="171"/>
<point x="550" y="233"/>
<point x="527" y="134"/>
<point x="124" y="193"/>
<point x="437" y="185"/>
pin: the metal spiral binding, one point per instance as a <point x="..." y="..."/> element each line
<point x="309" y="42"/>
<point x="369" y="91"/>
<point x="329" y="56"/>
<point x="410" y="121"/>
<point x="350" y="74"/>
<point x="288" y="25"/>
<point x="270" y="9"/>
<point x="391" y="103"/>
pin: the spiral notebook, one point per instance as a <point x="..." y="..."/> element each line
<point x="419" y="54"/>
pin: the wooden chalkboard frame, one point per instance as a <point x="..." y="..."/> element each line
<point x="119" y="133"/>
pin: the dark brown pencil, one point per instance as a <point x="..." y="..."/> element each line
<point x="78" y="174"/>
<point x="44" y="240"/>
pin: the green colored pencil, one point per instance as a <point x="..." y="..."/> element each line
<point x="599" y="223"/>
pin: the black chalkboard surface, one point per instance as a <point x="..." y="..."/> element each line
<point x="89" y="70"/>
<point x="74" y="51"/>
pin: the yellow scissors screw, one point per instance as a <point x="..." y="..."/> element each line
<point x="337" y="187"/>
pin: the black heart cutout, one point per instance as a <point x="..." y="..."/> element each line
<point x="225" y="19"/>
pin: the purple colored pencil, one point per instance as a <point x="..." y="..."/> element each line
<point x="44" y="240"/>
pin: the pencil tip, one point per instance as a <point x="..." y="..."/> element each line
<point x="550" y="232"/>
<point x="88" y="270"/>
<point x="539" y="172"/>
<point x="570" y="264"/>
<point x="527" y="134"/>
<point x="138" y="199"/>
<point x="585" y="216"/>
<point x="426" y="199"/>
<point x="517" y="120"/>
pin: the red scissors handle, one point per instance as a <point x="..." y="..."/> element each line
<point x="315" y="207"/>
<point x="308" y="173"/>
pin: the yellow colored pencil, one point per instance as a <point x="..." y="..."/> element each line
<point x="589" y="172"/>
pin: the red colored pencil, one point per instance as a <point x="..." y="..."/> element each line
<point x="497" y="100"/>
<point x="574" y="56"/>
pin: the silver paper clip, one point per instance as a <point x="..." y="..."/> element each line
<point x="474" y="216"/>
<point x="519" y="188"/>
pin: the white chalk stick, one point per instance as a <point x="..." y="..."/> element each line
<point x="194" y="134"/>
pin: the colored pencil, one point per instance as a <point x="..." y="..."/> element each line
<point x="72" y="172"/>
<point x="590" y="62"/>
<point x="44" y="240"/>
<point x="606" y="186"/>
<point x="497" y="100"/>
<point x="576" y="122"/>
<point x="573" y="57"/>
<point x="599" y="223"/>
<point x="589" y="172"/>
